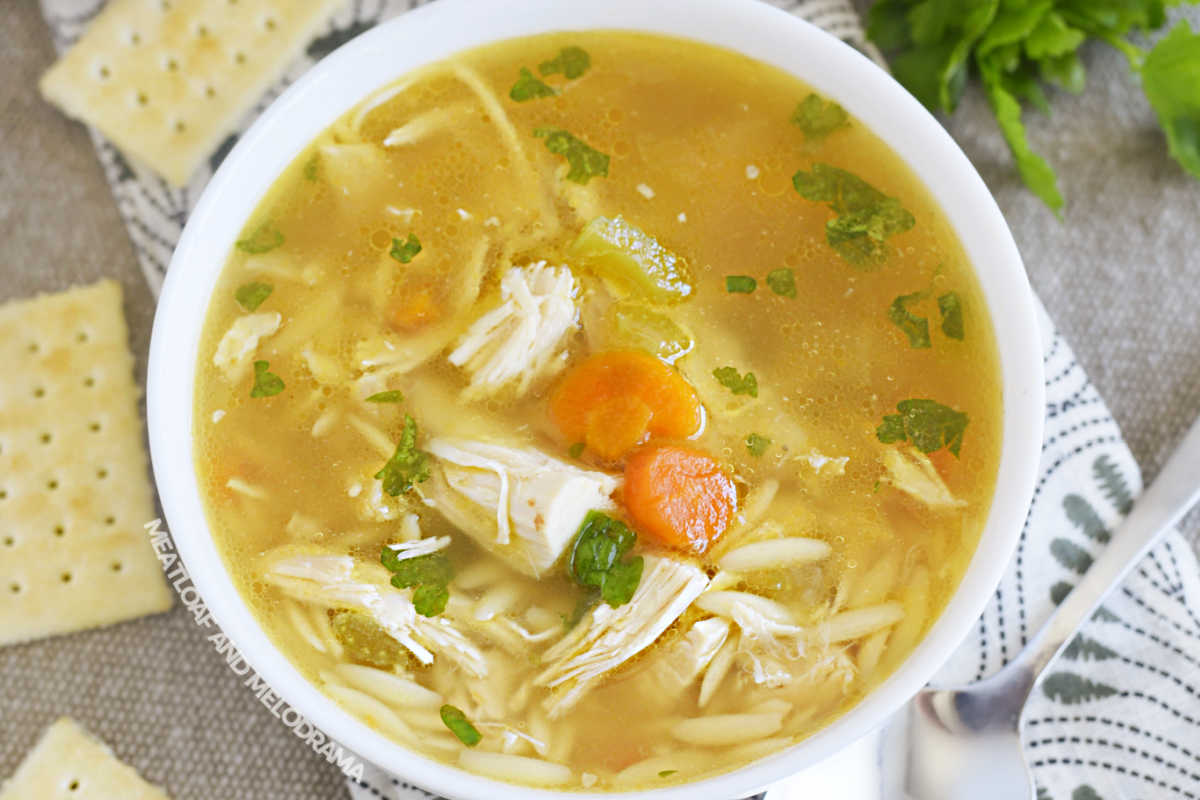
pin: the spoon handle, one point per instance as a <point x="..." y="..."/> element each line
<point x="1173" y="492"/>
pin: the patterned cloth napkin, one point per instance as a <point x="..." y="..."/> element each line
<point x="1119" y="714"/>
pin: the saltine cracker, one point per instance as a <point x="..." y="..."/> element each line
<point x="74" y="487"/>
<point x="167" y="80"/>
<point x="69" y="764"/>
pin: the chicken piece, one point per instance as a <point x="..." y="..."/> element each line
<point x="523" y="338"/>
<point x="339" y="582"/>
<point x="913" y="473"/>
<point x="518" y="502"/>
<point x="685" y="659"/>
<point x="238" y="345"/>
<point x="608" y="637"/>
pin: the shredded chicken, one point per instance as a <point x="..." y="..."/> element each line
<point x="238" y="345"/>
<point x="912" y="472"/>
<point x="608" y="637"/>
<point x="523" y="338"/>
<point x="687" y="658"/>
<point x="518" y="502"/>
<point x="337" y="581"/>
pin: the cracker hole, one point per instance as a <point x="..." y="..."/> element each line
<point x="165" y="5"/>
<point x="10" y="541"/>
<point x="202" y="30"/>
<point x="60" y="531"/>
<point x="142" y="99"/>
<point x="116" y="566"/>
<point x="73" y="786"/>
<point x="239" y="57"/>
<point x="45" y="438"/>
<point x="39" y="392"/>
<point x="14" y="587"/>
<point x="33" y="347"/>
<point x="82" y="336"/>
<point x="89" y="381"/>
<point x="66" y="578"/>
<point x="110" y="520"/>
<point x="103" y="72"/>
<point x="134" y="38"/>
<point x="210" y="92"/>
<point x="52" y="484"/>
<point x="180" y="126"/>
<point x="3" y="494"/>
<point x="170" y="64"/>
<point x="269" y="23"/>
<point x="94" y="427"/>
<point x="101" y="473"/>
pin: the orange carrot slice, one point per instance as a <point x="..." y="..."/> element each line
<point x="614" y="401"/>
<point x="679" y="496"/>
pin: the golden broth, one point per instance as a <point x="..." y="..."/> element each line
<point x="702" y="158"/>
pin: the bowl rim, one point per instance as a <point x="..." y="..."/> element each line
<point x="435" y="31"/>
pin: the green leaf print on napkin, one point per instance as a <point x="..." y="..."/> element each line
<point x="1071" y="555"/>
<point x="1080" y="512"/>
<point x="1081" y="647"/>
<point x="1071" y="689"/>
<point x="1085" y="792"/>
<point x="1109" y="476"/>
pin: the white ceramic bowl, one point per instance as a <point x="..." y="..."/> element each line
<point x="439" y="30"/>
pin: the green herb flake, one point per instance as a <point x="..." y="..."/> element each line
<point x="430" y="574"/>
<point x="265" y="238"/>
<point x="740" y="284"/>
<point x="595" y="558"/>
<point x="392" y="396"/>
<point x="929" y="425"/>
<point x="818" y="117"/>
<point x="782" y="282"/>
<point x="407" y="250"/>
<point x="311" y="166"/>
<point x="952" y="316"/>
<point x="407" y="466"/>
<point x="914" y="327"/>
<point x="576" y="450"/>
<point x="1170" y="77"/>
<point x="266" y="384"/>
<point x="365" y="640"/>
<point x="251" y="295"/>
<point x="585" y="161"/>
<point x="865" y="219"/>
<point x="528" y="87"/>
<point x="571" y="62"/>
<point x="757" y="444"/>
<point x="454" y="719"/>
<point x="666" y="773"/>
<point x="735" y="382"/>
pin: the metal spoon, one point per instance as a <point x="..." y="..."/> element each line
<point x="963" y="742"/>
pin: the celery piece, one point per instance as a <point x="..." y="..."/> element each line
<point x="615" y="249"/>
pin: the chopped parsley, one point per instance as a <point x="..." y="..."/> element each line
<point x="585" y="161"/>
<point x="407" y="250"/>
<point x="310" y="167"/>
<point x="914" y="327"/>
<point x="595" y="558"/>
<point x="454" y="719"/>
<point x="251" y="295"/>
<point x="865" y="216"/>
<point x="952" y="318"/>
<point x="736" y="383"/>
<point x="928" y="424"/>
<point x="782" y="282"/>
<point x="740" y="284"/>
<point x="818" y="117"/>
<point x="571" y="62"/>
<point x="430" y="574"/>
<point x="407" y="466"/>
<point x="757" y="444"/>
<point x="528" y="87"/>
<point x="392" y="396"/>
<point x="666" y="773"/>
<point x="263" y="239"/>
<point x="576" y="450"/>
<point x="266" y="384"/>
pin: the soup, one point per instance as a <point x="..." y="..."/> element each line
<point x="598" y="410"/>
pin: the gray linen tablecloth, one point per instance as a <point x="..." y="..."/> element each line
<point x="1119" y="276"/>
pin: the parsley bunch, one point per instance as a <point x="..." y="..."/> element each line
<point x="1017" y="47"/>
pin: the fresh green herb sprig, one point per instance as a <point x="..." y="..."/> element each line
<point x="818" y="117"/>
<point x="252" y="295"/>
<point x="454" y="719"/>
<point x="596" y="559"/>
<point x="735" y="382"/>
<point x="529" y="87"/>
<point x="266" y="383"/>
<point x="1018" y="48"/>
<point x="916" y="327"/>
<point x="405" y="251"/>
<point x="430" y="574"/>
<point x="571" y="62"/>
<point x="585" y="161"/>
<point x="927" y="424"/>
<point x="390" y="396"/>
<point x="408" y="465"/>
<point x="757" y="444"/>
<point x="263" y="239"/>
<point x="866" y="217"/>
